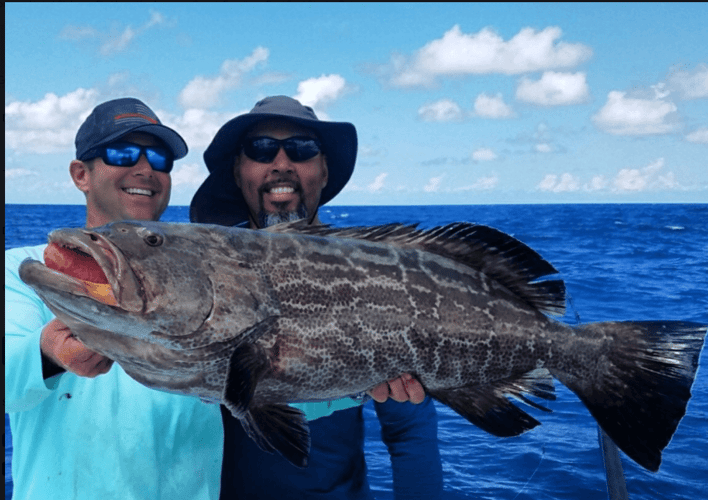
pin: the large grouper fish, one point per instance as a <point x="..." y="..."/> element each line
<point x="259" y="319"/>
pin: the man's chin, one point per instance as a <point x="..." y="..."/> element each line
<point x="267" y="219"/>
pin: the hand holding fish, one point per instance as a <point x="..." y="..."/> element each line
<point x="68" y="352"/>
<point x="404" y="388"/>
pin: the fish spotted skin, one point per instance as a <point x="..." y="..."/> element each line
<point x="258" y="319"/>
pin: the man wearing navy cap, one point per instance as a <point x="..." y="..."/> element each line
<point x="279" y="163"/>
<point x="76" y="434"/>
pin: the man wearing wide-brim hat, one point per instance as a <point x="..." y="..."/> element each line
<point x="280" y="163"/>
<point x="220" y="200"/>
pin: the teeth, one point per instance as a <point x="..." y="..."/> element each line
<point x="282" y="190"/>
<point x="144" y="192"/>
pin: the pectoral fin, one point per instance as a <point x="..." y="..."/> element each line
<point x="273" y="427"/>
<point x="248" y="363"/>
<point x="282" y="428"/>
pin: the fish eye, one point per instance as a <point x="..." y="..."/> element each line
<point x="153" y="240"/>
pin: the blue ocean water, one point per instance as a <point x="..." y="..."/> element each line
<point x="619" y="262"/>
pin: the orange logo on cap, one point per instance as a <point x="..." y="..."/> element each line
<point x="134" y="115"/>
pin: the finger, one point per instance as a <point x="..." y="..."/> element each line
<point x="396" y="390"/>
<point x="416" y="393"/>
<point x="72" y="352"/>
<point x="379" y="393"/>
<point x="104" y="366"/>
<point x="97" y="365"/>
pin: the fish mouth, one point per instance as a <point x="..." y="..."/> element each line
<point x="84" y="263"/>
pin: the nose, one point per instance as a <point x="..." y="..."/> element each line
<point x="142" y="167"/>
<point x="281" y="162"/>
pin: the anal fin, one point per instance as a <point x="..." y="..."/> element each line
<point x="488" y="407"/>
<point x="281" y="428"/>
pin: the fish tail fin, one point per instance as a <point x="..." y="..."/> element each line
<point x="641" y="382"/>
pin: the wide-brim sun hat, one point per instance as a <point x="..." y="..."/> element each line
<point x="114" y="119"/>
<point x="220" y="201"/>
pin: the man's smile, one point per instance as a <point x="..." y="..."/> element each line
<point x="139" y="191"/>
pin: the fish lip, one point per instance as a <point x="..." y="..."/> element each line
<point x="124" y="283"/>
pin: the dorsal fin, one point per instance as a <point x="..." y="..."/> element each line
<point x="500" y="256"/>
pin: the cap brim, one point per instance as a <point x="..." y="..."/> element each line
<point x="171" y="138"/>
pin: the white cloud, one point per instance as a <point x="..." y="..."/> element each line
<point x="118" y="43"/>
<point x="78" y="33"/>
<point x="433" y="185"/>
<point x="627" y="180"/>
<point x="643" y="179"/>
<point x="543" y="148"/>
<point x="554" y="89"/>
<point x="189" y="174"/>
<point x="486" y="106"/>
<point x="115" y="41"/>
<point x="700" y="136"/>
<point x="623" y="115"/>
<point x="484" y="154"/>
<point x="378" y="183"/>
<point x="690" y="84"/>
<point x="444" y="110"/>
<point x="321" y="91"/>
<point x="458" y="53"/>
<point x="559" y="184"/>
<point x="204" y="92"/>
<point x="197" y="126"/>
<point x="597" y="183"/>
<point x="15" y="173"/>
<point x="481" y="184"/>
<point x="50" y="124"/>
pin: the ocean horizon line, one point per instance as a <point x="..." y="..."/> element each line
<point x="425" y="205"/>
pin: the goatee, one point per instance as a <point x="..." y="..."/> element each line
<point x="266" y="219"/>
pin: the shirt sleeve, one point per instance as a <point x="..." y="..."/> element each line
<point x="410" y="433"/>
<point x="25" y="317"/>
<point x="314" y="411"/>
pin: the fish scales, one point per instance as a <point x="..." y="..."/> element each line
<point x="383" y="294"/>
<point x="259" y="319"/>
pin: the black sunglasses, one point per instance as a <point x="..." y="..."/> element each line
<point x="127" y="154"/>
<point x="265" y="149"/>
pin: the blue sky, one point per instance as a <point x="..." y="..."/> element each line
<point x="453" y="103"/>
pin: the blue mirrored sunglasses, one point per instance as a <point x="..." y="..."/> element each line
<point x="265" y="149"/>
<point x="127" y="154"/>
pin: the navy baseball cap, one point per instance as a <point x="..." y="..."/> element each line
<point x="219" y="201"/>
<point x="112" y="120"/>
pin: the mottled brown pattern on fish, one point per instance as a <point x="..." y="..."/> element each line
<point x="350" y="311"/>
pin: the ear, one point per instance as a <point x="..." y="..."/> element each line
<point x="237" y="171"/>
<point x="80" y="173"/>
<point x="325" y="172"/>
